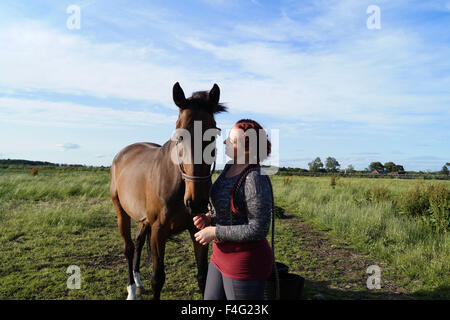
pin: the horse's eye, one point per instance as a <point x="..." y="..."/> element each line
<point x="180" y="138"/>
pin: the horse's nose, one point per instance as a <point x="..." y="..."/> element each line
<point x="204" y="206"/>
<point x="197" y="206"/>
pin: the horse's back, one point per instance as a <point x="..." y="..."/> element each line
<point x="129" y="173"/>
<point x="127" y="153"/>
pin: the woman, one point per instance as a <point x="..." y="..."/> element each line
<point x="239" y="219"/>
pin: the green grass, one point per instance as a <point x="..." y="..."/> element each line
<point x="55" y="220"/>
<point x="65" y="217"/>
<point x="364" y="212"/>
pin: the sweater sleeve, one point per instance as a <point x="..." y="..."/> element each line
<point x="258" y="199"/>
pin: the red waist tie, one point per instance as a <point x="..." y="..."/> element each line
<point x="243" y="260"/>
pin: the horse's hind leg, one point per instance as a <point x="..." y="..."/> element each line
<point x="141" y="233"/>
<point x="123" y="222"/>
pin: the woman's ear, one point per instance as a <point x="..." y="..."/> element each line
<point x="178" y="96"/>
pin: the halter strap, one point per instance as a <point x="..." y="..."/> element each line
<point x="185" y="176"/>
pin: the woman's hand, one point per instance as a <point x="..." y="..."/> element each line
<point x="206" y="235"/>
<point x="203" y="220"/>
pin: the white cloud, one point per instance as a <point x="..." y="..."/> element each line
<point x="68" y="146"/>
<point x="330" y="67"/>
<point x="354" y="84"/>
<point x="38" y="58"/>
<point x="66" y="114"/>
<point x="338" y="73"/>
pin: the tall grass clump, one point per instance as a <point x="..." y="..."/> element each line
<point x="378" y="193"/>
<point x="34" y="171"/>
<point x="333" y="181"/>
<point x="430" y="203"/>
<point x="287" y="180"/>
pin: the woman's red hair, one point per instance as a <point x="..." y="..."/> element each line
<point x="246" y="124"/>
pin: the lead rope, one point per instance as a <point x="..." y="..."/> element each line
<point x="234" y="209"/>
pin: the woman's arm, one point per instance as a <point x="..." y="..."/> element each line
<point x="258" y="198"/>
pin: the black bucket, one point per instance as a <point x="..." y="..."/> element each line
<point x="291" y="285"/>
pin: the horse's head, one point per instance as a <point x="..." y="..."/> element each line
<point x="196" y="133"/>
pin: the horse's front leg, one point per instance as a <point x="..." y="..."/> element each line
<point x="158" y="240"/>
<point x="201" y="258"/>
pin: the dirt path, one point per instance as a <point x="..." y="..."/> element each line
<point x="332" y="269"/>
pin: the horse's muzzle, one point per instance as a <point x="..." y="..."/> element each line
<point x="197" y="209"/>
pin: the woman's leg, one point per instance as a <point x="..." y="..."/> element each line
<point x="244" y="289"/>
<point x="214" y="284"/>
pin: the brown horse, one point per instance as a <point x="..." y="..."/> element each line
<point x="148" y="186"/>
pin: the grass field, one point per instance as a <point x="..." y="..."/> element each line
<point x="329" y="235"/>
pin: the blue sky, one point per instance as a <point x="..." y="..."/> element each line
<point x="310" y="69"/>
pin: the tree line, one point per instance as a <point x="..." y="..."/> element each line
<point x="332" y="165"/>
<point x="30" y="163"/>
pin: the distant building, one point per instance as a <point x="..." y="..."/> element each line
<point x="377" y="172"/>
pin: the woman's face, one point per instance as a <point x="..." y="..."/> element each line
<point x="235" y="136"/>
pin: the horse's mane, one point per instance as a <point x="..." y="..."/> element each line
<point x="199" y="100"/>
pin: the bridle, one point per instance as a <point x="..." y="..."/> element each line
<point x="185" y="176"/>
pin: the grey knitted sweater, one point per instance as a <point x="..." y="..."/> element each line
<point x="253" y="199"/>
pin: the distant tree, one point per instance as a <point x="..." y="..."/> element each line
<point x="398" y="168"/>
<point x="376" y="166"/>
<point x="392" y="167"/>
<point x="444" y="170"/>
<point x="350" y="168"/>
<point x="389" y="166"/>
<point x="316" y="165"/>
<point x="331" y="164"/>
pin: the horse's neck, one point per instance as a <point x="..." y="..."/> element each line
<point x="172" y="167"/>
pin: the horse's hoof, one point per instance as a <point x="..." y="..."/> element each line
<point x="131" y="292"/>
<point x="140" y="290"/>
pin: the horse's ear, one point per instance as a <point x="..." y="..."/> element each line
<point x="214" y="95"/>
<point x="178" y="96"/>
